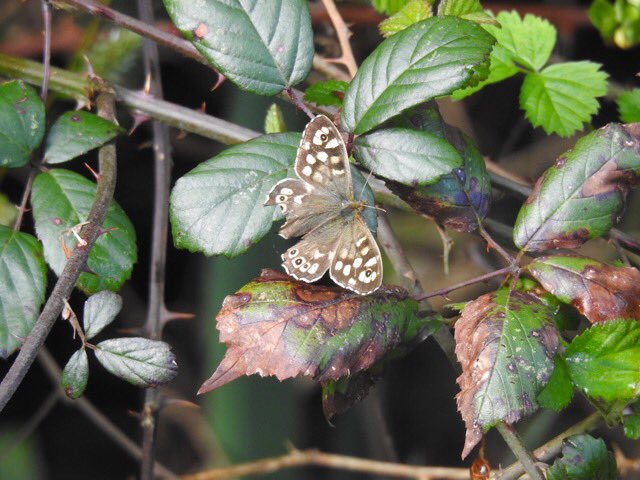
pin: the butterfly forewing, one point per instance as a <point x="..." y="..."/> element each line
<point x="322" y="159"/>
<point x="311" y="257"/>
<point x="304" y="206"/>
<point x="357" y="264"/>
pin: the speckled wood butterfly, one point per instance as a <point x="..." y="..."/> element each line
<point x="320" y="206"/>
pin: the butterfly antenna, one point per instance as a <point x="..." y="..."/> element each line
<point x="366" y="182"/>
<point x="375" y="208"/>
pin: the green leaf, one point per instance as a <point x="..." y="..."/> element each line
<point x="460" y="199"/>
<point x="459" y="8"/>
<point x="113" y="55"/>
<point x="76" y="133"/>
<point x="277" y="326"/>
<point x="140" y="361"/>
<point x="604" y="360"/>
<point x="505" y="343"/>
<point x="529" y="40"/>
<point x="61" y="199"/>
<point x="629" y="106"/>
<point x="412" y="12"/>
<point x="563" y="97"/>
<point x="603" y="16"/>
<point x="599" y="292"/>
<point x="388" y="7"/>
<point x="407" y="156"/>
<point x="330" y="92"/>
<point x="429" y="59"/>
<point x="557" y="394"/>
<point x="274" y="121"/>
<point x="632" y="422"/>
<point x="584" y="458"/>
<point x="582" y="195"/>
<point x="217" y="208"/>
<point x="76" y="374"/>
<point x="23" y="278"/>
<point x="99" y="311"/>
<point x="8" y="211"/>
<point x="262" y="47"/>
<point x="21" y="123"/>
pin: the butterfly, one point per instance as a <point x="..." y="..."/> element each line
<point x="320" y="206"/>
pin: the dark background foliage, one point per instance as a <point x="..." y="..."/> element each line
<point x="410" y="417"/>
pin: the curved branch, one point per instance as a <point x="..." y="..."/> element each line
<point x="67" y="280"/>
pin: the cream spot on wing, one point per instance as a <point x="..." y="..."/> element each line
<point x="346" y="270"/>
<point x="333" y="143"/>
<point x="357" y="262"/>
<point x="307" y="170"/>
<point x="363" y="277"/>
<point x="306" y="145"/>
<point x="338" y="265"/>
<point x="298" y="199"/>
<point x="316" y="139"/>
<point x="373" y="276"/>
<point x="305" y="267"/>
<point x="360" y="241"/>
<point x="335" y="159"/>
<point x="344" y="252"/>
<point x="338" y="172"/>
<point x="317" y="176"/>
<point x="352" y="281"/>
<point x="314" y="268"/>
<point x="286" y="191"/>
<point x="311" y="159"/>
<point x="364" y="251"/>
<point x="318" y="254"/>
<point x="371" y="262"/>
<point x="322" y="156"/>
<point x="325" y="129"/>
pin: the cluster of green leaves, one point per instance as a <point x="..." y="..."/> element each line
<point x="560" y="97"/>
<point x="60" y="201"/>
<point x="629" y="106"/>
<point x="618" y="21"/>
<point x="139" y="361"/>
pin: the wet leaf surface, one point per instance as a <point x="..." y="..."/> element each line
<point x="140" y="361"/>
<point x="76" y="374"/>
<point x="21" y="123"/>
<point x="584" y="458"/>
<point x="506" y="342"/>
<point x="24" y="278"/>
<point x="604" y="361"/>
<point x="277" y="326"/>
<point x="262" y="47"/>
<point x="600" y="292"/>
<point x="583" y="194"/>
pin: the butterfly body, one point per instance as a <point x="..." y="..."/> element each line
<point x="320" y="206"/>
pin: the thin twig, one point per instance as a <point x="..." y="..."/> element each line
<point x="46" y="62"/>
<point x="305" y="458"/>
<point x="162" y="184"/>
<point x="343" y="33"/>
<point x="297" y="101"/>
<point x="515" y="444"/>
<point x="510" y="259"/>
<point x="67" y="280"/>
<point x="482" y="278"/>
<point x="25" y="199"/>
<point x="89" y="410"/>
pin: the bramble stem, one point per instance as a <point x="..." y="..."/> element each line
<point x="481" y="278"/>
<point x="67" y="280"/>
<point x="515" y="444"/>
<point x="343" y="33"/>
<point x="46" y="60"/>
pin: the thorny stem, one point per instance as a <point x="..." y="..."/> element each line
<point x="46" y="70"/>
<point x="303" y="458"/>
<point x="343" y="33"/>
<point x="67" y="280"/>
<point x="89" y="410"/>
<point x="162" y="183"/>
<point x="482" y="278"/>
<point x="25" y="199"/>
<point x="515" y="444"/>
<point x="295" y="98"/>
<point x="511" y="261"/>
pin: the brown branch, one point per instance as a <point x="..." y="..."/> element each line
<point x="25" y="199"/>
<point x="515" y="444"/>
<point x="67" y="280"/>
<point x="482" y="278"/>
<point x="306" y="458"/>
<point x="162" y="185"/>
<point x="343" y="33"/>
<point x="88" y="409"/>
<point x="46" y="62"/>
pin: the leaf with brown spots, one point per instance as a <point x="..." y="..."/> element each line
<point x="600" y="292"/>
<point x="506" y="342"/>
<point x="277" y="326"/>
<point x="582" y="196"/>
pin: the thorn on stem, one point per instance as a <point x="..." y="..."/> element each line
<point x="219" y="82"/>
<point x="95" y="174"/>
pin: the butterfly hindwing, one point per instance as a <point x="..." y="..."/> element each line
<point x="304" y="206"/>
<point x="357" y="263"/>
<point x="322" y="159"/>
<point x="310" y="258"/>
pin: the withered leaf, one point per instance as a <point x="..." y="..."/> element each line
<point x="600" y="292"/>
<point x="506" y="342"/>
<point x="277" y="326"/>
<point x="582" y="196"/>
